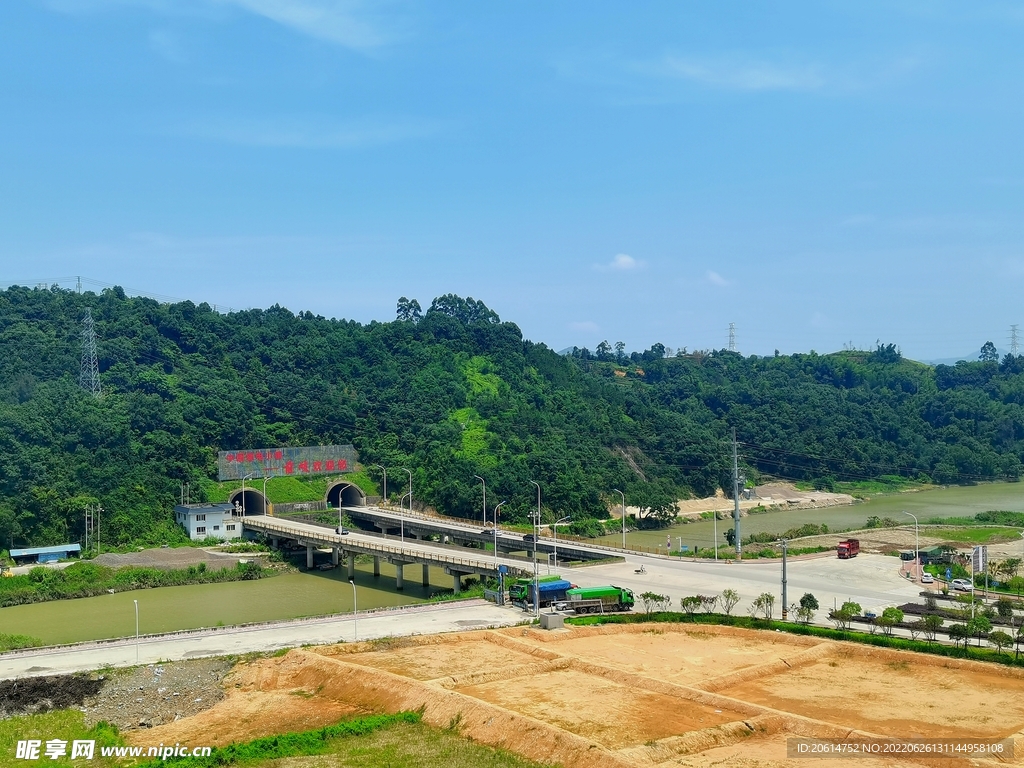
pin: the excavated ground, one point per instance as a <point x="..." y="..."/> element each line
<point x="639" y="695"/>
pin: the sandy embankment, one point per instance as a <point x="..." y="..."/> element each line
<point x="775" y="496"/>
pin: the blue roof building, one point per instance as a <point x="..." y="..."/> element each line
<point x="45" y="554"/>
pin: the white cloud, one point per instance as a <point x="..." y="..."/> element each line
<point x="349" y="23"/>
<point x="622" y="262"/>
<point x="588" y="326"/>
<point x="312" y="132"/>
<point x="740" y="75"/>
<point x="716" y="279"/>
<point x="337" y="21"/>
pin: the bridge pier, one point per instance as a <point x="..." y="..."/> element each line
<point x="426" y="575"/>
<point x="399" y="583"/>
<point x="456" y="582"/>
<point x="309" y="556"/>
<point x="376" y="565"/>
<point x="334" y="555"/>
<point x="351" y="565"/>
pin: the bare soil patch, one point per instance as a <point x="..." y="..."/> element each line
<point x="637" y="695"/>
<point x="889" y="694"/>
<point x="172" y="559"/>
<point x="28" y="695"/>
<point x="677" y="656"/>
<point x="611" y="714"/>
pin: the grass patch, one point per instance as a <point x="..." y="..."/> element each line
<point x="14" y="642"/>
<point x="975" y="534"/>
<point x="87" y="579"/>
<point x="64" y="724"/>
<point x="396" y="741"/>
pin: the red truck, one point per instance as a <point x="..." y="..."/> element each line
<point x="848" y="548"/>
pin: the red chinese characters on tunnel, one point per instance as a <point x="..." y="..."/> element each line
<point x="277" y="462"/>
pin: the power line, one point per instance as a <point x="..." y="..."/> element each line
<point x="732" y="337"/>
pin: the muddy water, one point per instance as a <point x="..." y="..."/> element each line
<point x="939" y="503"/>
<point x="207" y="605"/>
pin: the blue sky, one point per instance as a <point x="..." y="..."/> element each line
<point x="821" y="174"/>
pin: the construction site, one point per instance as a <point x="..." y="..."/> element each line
<point x="628" y="695"/>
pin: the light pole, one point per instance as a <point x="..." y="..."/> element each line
<point x="401" y="516"/>
<point x="715" y="542"/>
<point x="250" y="475"/>
<point x="385" y="471"/>
<point x="554" y="528"/>
<point x="265" y="478"/>
<point x="408" y="472"/>
<point x="536" y="573"/>
<point x="485" y="497"/>
<point x="355" y="611"/>
<point x="785" y="606"/>
<point x="496" y="529"/>
<point x="917" y="545"/>
<point x="136" y="630"/>
<point x="623" y="515"/>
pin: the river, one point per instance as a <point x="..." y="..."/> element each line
<point x="956" y="501"/>
<point x="165" y="609"/>
<point x="314" y="593"/>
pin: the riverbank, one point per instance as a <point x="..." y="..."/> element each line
<point x="88" y="579"/>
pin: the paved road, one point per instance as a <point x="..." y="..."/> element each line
<point x="871" y="580"/>
<point x="414" y="620"/>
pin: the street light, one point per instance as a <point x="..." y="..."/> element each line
<point x="250" y="475"/>
<point x="408" y="472"/>
<point x="265" y="478"/>
<point x="502" y="504"/>
<point x="355" y="611"/>
<point x="554" y="527"/>
<point x="401" y="517"/>
<point x="536" y="573"/>
<point x="623" y="515"/>
<point x="385" y="471"/>
<point x="917" y="545"/>
<point x="485" y="498"/>
<point x="136" y="630"/>
<point x="785" y="607"/>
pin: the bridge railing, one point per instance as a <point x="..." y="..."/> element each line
<point x="334" y="540"/>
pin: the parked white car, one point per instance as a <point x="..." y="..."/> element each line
<point x="964" y="585"/>
<point x="927" y="578"/>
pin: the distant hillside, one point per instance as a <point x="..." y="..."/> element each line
<point x="450" y="393"/>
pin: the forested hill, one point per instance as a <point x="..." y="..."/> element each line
<point x="451" y="392"/>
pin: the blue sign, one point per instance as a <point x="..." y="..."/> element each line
<point x="502" y="569"/>
<point x="949" y="574"/>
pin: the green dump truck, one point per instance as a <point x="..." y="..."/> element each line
<point x="599" y="599"/>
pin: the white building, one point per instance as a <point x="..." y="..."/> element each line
<point x="203" y="521"/>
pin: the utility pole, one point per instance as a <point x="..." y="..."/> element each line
<point x="1014" y="341"/>
<point x="735" y="498"/>
<point x="785" y="602"/>
<point x="89" y="372"/>
<point x="732" y="337"/>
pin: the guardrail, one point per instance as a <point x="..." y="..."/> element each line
<point x="334" y="539"/>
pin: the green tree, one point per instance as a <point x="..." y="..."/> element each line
<point x="1000" y="640"/>
<point x="989" y="354"/>
<point x="890" y="617"/>
<point x="932" y="624"/>
<point x="763" y="606"/>
<point x="844" y="615"/>
<point x="729" y="599"/>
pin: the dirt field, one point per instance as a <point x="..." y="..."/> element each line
<point x="640" y="695"/>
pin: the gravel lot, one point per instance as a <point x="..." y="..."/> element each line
<point x="180" y="557"/>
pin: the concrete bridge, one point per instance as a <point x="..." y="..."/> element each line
<point x="467" y="532"/>
<point x="347" y="546"/>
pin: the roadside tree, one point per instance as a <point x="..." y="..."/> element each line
<point x="1000" y="640"/>
<point x="729" y="599"/>
<point x="932" y="624"/>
